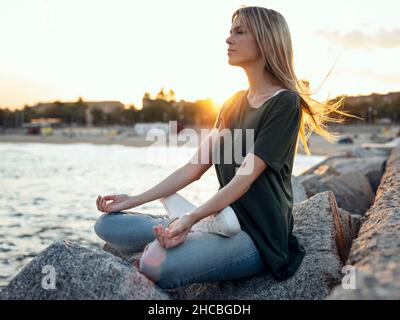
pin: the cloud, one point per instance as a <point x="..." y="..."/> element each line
<point x="360" y="40"/>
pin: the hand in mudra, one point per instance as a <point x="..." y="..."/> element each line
<point x="119" y="202"/>
<point x="175" y="233"/>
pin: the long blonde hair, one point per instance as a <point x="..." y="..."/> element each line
<point x="273" y="37"/>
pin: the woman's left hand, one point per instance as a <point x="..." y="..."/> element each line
<point x="176" y="233"/>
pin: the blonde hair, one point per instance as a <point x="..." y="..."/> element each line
<point x="273" y="38"/>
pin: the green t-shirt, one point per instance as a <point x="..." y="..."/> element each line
<point x="265" y="210"/>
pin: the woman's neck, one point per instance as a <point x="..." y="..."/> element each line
<point x="260" y="84"/>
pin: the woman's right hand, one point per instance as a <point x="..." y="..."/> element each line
<point x="119" y="202"/>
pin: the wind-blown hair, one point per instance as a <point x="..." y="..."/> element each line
<point x="273" y="38"/>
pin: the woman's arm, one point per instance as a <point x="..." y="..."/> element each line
<point x="200" y="162"/>
<point x="249" y="170"/>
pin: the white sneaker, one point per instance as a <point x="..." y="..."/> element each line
<point x="224" y="223"/>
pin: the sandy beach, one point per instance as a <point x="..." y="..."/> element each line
<point x="360" y="134"/>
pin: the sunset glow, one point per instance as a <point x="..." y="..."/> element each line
<point x="118" y="50"/>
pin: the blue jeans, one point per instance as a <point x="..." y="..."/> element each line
<point x="202" y="257"/>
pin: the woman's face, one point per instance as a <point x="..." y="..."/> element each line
<point x="243" y="45"/>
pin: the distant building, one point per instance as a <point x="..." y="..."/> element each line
<point x="38" y="125"/>
<point x="106" y="107"/>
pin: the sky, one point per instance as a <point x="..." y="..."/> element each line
<point x="120" y="49"/>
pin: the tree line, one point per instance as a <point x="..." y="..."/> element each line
<point x="162" y="108"/>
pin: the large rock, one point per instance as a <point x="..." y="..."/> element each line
<point x="375" y="254"/>
<point x="312" y="184"/>
<point x="371" y="167"/>
<point x="80" y="273"/>
<point x="352" y="191"/>
<point x="369" y="162"/>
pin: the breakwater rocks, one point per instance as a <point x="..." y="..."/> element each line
<point x="347" y="215"/>
<point x="375" y="253"/>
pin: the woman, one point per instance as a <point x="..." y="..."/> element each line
<point x="249" y="220"/>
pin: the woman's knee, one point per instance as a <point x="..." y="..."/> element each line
<point x="154" y="265"/>
<point x="102" y="226"/>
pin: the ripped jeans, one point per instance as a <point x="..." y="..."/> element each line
<point x="202" y="257"/>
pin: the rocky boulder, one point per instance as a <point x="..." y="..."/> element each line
<point x="312" y="184"/>
<point x="65" y="271"/>
<point x="375" y="254"/>
<point x="371" y="167"/>
<point x="352" y="191"/>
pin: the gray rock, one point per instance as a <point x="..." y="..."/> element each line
<point x="352" y="191"/>
<point x="371" y="167"/>
<point x="318" y="226"/>
<point x="299" y="193"/>
<point x="375" y="254"/>
<point x="80" y="273"/>
<point x="312" y="184"/>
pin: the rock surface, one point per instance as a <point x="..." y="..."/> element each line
<point x="371" y="167"/>
<point x="375" y="254"/>
<point x="80" y="273"/>
<point x="352" y="191"/>
<point x="368" y="162"/>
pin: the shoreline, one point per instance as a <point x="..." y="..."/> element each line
<point x="359" y="134"/>
<point x="317" y="145"/>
